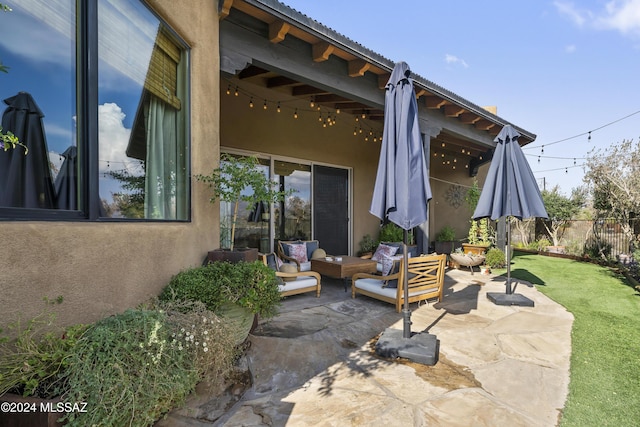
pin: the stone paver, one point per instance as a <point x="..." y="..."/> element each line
<point x="313" y="365"/>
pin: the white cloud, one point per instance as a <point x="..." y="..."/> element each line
<point x="452" y="59"/>
<point x="622" y="16"/>
<point x="617" y="15"/>
<point x="113" y="137"/>
<point x="568" y="9"/>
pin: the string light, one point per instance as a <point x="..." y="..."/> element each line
<point x="264" y="107"/>
<point x="251" y="102"/>
<point x="278" y="107"/>
<point x="236" y="92"/>
<point x="229" y="90"/>
<point x="295" y="114"/>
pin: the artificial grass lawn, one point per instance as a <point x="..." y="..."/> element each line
<point x="604" y="388"/>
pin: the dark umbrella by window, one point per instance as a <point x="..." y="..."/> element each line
<point x="510" y="189"/>
<point x="66" y="184"/>
<point x="402" y="190"/>
<point x="25" y="180"/>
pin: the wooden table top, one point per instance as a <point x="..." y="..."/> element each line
<point x="346" y="268"/>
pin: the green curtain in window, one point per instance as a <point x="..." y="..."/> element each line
<point x="166" y="188"/>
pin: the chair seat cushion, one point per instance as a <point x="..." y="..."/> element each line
<point x="378" y="287"/>
<point x="304" y="266"/>
<point x="300" y="282"/>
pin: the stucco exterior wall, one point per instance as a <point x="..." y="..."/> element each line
<point x="102" y="268"/>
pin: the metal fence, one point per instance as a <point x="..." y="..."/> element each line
<point x="594" y="237"/>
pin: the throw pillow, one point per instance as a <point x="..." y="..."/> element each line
<point x="318" y="253"/>
<point x="312" y="245"/>
<point x="387" y="263"/>
<point x="288" y="268"/>
<point x="384" y="250"/>
<point x="394" y="269"/>
<point x="298" y="252"/>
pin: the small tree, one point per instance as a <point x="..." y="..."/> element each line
<point x="236" y="174"/>
<point x="480" y="232"/>
<point x="614" y="178"/>
<point x="561" y="210"/>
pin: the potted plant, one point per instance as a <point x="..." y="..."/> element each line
<point x="480" y="233"/>
<point x="239" y="179"/>
<point x="445" y="240"/>
<point x="367" y="245"/>
<point x="237" y="291"/>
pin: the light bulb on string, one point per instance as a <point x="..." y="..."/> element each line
<point x="589" y="138"/>
<point x="251" y="102"/>
<point x="311" y="103"/>
<point x="542" y="150"/>
<point x="566" y="170"/>
<point x="229" y="90"/>
<point x="295" y="114"/>
<point x="236" y="92"/>
<point x="278" y="107"/>
<point x="355" y="131"/>
<point x="538" y="159"/>
<point x="574" y="161"/>
<point x="264" y="106"/>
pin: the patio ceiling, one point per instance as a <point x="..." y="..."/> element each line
<point x="463" y="128"/>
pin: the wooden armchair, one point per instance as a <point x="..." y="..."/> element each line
<point x="283" y="249"/>
<point x="292" y="283"/>
<point x="425" y="281"/>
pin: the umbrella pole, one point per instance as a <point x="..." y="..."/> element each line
<point x="508" y="249"/>
<point x="406" y="313"/>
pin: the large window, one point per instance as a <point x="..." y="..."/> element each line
<point x="97" y="91"/>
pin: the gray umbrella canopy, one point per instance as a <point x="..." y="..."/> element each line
<point x="402" y="188"/>
<point x="25" y="181"/>
<point x="510" y="188"/>
<point x="66" y="184"/>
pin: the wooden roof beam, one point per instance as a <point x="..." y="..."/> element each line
<point x="383" y="79"/>
<point x="321" y="51"/>
<point x="483" y="124"/>
<point x="358" y="67"/>
<point x="453" y="110"/>
<point x="306" y="90"/>
<point x="280" y="81"/>
<point x="251" y="71"/>
<point x="434" y="102"/>
<point x="468" y="118"/>
<point x="278" y="30"/>
<point x="225" y="8"/>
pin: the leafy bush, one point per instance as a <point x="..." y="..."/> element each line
<point x="367" y="244"/>
<point x="35" y="362"/>
<point x="130" y="370"/>
<point x="446" y="234"/>
<point x="252" y="285"/>
<point x="390" y="232"/>
<point x="495" y="258"/>
<point x="542" y="243"/>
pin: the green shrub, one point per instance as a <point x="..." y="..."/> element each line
<point x="495" y="258"/>
<point x="34" y="362"/>
<point x="367" y="244"/>
<point x="130" y="370"/>
<point x="446" y="234"/>
<point x="252" y="285"/>
<point x="390" y="232"/>
<point x="542" y="244"/>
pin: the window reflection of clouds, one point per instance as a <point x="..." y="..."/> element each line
<point x="38" y="42"/>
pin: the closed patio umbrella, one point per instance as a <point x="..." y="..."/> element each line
<point x="25" y="180"/>
<point x="66" y="184"/>
<point x="510" y="189"/>
<point x="402" y="190"/>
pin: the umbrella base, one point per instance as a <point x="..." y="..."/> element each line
<point x="509" y="299"/>
<point x="420" y="348"/>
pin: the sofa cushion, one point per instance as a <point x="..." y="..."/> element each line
<point x="300" y="282"/>
<point x="384" y="250"/>
<point x="312" y="245"/>
<point x="298" y="251"/>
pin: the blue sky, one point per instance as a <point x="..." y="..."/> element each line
<point x="558" y="69"/>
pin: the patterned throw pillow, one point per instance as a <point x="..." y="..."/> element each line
<point x="384" y="250"/>
<point x="298" y="252"/>
<point x="387" y="263"/>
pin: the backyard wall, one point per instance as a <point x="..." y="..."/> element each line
<point x="100" y="268"/>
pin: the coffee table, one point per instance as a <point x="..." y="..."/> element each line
<point x="344" y="269"/>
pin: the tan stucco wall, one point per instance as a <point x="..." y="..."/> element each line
<point x="104" y="268"/>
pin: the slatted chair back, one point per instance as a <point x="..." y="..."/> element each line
<point x="425" y="279"/>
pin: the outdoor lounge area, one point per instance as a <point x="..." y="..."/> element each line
<point x="498" y="365"/>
